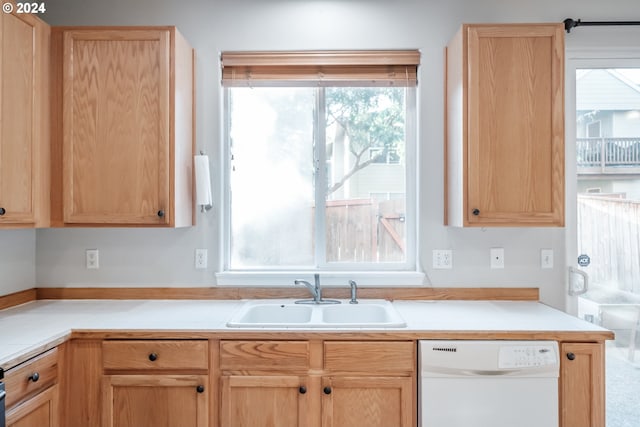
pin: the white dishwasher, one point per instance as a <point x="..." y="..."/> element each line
<point x="488" y="383"/>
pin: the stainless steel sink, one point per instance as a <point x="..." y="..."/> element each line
<point x="287" y="314"/>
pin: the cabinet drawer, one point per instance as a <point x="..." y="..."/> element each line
<point x="31" y="377"/>
<point x="155" y="354"/>
<point x="378" y="357"/>
<point x="256" y="355"/>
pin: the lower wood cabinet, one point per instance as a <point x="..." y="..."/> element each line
<point x="326" y="384"/>
<point x="155" y="383"/>
<point x="39" y="411"/>
<point x="155" y="401"/>
<point x="367" y="401"/>
<point x="264" y="400"/>
<point x="582" y="385"/>
<point x="32" y="392"/>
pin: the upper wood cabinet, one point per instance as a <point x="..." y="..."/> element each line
<point x="123" y="126"/>
<point x="505" y="126"/>
<point x="24" y="121"/>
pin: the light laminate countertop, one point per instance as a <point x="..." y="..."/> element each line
<point x="31" y="328"/>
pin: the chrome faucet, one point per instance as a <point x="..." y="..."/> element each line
<point x="354" y="291"/>
<point x="316" y="292"/>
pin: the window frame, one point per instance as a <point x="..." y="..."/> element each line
<point x="399" y="273"/>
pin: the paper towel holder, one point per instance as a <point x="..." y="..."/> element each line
<point x="203" y="182"/>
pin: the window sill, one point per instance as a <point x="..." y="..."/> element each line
<point x="327" y="278"/>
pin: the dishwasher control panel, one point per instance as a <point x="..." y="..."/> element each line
<point x="526" y="356"/>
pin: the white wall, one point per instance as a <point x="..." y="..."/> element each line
<point x="149" y="257"/>
<point x="17" y="260"/>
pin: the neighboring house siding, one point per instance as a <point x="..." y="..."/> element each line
<point x="626" y="124"/>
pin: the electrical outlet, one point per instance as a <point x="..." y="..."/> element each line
<point x="92" y="261"/>
<point x="201" y="259"/>
<point x="497" y="257"/>
<point x="546" y="258"/>
<point x="442" y="259"/>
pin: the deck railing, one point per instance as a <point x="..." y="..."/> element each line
<point x="608" y="155"/>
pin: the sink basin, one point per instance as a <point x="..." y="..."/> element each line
<point x="274" y="315"/>
<point x="288" y="314"/>
<point x="373" y="314"/>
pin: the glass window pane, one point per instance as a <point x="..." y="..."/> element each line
<point x="272" y="180"/>
<point x="365" y="154"/>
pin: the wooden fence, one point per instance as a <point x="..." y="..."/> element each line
<point x="609" y="232"/>
<point x="365" y="230"/>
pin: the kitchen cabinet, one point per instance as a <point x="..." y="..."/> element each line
<point x="582" y="386"/>
<point x="32" y="392"/>
<point x="123" y="123"/>
<point x="369" y="384"/>
<point x="313" y="383"/>
<point x="155" y="383"/>
<point x="505" y="126"/>
<point x="24" y="121"/>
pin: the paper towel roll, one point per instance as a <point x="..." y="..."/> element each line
<point x="203" y="180"/>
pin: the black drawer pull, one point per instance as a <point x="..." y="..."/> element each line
<point x="2" y="211"/>
<point x="153" y="357"/>
<point x="200" y="389"/>
<point x="571" y="356"/>
<point x="161" y="213"/>
<point x="327" y="390"/>
<point x="476" y="212"/>
<point x="34" y="377"/>
<point x="302" y="389"/>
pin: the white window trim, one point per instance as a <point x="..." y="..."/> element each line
<point x="392" y="274"/>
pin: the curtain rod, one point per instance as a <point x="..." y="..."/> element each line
<point x="572" y="23"/>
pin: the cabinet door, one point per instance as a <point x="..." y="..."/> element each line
<point x="155" y="401"/>
<point x="367" y="402"/>
<point x="116" y="126"/>
<point x="582" y="387"/>
<point x="39" y="411"/>
<point x="506" y="133"/>
<point x="23" y="122"/>
<point x="265" y="401"/>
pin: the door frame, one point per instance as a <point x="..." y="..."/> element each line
<point x="605" y="47"/>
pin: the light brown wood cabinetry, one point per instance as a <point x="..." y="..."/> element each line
<point x="582" y="386"/>
<point x="368" y="384"/>
<point x="24" y="121"/>
<point x="300" y="383"/>
<point x="123" y="126"/>
<point x="32" y="392"/>
<point x="155" y="383"/>
<point x="505" y="126"/>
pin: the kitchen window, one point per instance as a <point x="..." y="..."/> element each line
<point x="314" y="144"/>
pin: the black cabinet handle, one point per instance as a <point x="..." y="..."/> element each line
<point x="302" y="389"/>
<point x="2" y="211"/>
<point x="160" y="213"/>
<point x="200" y="389"/>
<point x="327" y="390"/>
<point x="476" y="211"/>
<point x="153" y="357"/>
<point x="571" y="356"/>
<point x="34" y="377"/>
